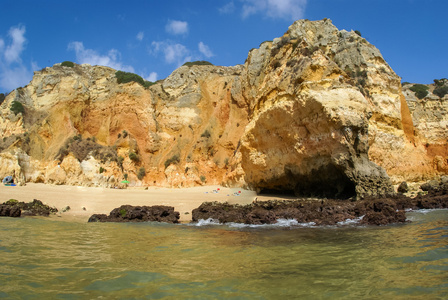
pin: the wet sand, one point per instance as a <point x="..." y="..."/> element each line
<point x="97" y="200"/>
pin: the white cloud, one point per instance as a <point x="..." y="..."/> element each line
<point x="152" y="77"/>
<point x="281" y="9"/>
<point x="177" y="27"/>
<point x="13" y="73"/>
<point x="228" y="8"/>
<point x="12" y="78"/>
<point x="2" y="45"/>
<point x="205" y="50"/>
<point x="89" y="56"/>
<point x="173" y="52"/>
<point x="34" y="66"/>
<point x="14" y="50"/>
<point x="140" y="35"/>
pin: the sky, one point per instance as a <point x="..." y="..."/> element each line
<point x="153" y="38"/>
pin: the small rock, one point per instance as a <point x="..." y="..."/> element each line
<point x="65" y="209"/>
<point x="403" y="187"/>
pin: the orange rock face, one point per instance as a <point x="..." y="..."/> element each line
<point x="317" y="111"/>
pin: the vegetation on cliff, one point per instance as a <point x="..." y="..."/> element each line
<point x="197" y="63"/>
<point x="67" y="64"/>
<point x="420" y="90"/>
<point x="17" y="107"/>
<point x="125" y="77"/>
<point x="441" y="88"/>
<point x="81" y="148"/>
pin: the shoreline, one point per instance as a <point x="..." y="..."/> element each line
<point x="98" y="200"/>
<point x="216" y="202"/>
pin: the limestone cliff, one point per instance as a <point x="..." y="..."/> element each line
<point x="316" y="111"/>
<point x="430" y="119"/>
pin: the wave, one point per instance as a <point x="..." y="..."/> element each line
<point x="426" y="210"/>
<point x="351" y="221"/>
<point x="281" y="223"/>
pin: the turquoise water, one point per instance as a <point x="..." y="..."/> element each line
<point x="52" y="259"/>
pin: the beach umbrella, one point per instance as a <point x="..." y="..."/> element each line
<point x="125" y="181"/>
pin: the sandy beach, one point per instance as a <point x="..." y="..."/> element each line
<point x="98" y="200"/>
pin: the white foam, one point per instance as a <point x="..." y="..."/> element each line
<point x="351" y="221"/>
<point x="207" y="222"/>
<point x="279" y="223"/>
<point x="424" y="211"/>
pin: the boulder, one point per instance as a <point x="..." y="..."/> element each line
<point x="34" y="208"/>
<point x="403" y="187"/>
<point x="10" y="211"/>
<point x="129" y="213"/>
<point x="383" y="212"/>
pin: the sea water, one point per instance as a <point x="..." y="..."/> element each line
<point x="43" y="258"/>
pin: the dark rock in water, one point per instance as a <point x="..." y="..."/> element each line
<point x="403" y="187"/>
<point x="34" y="208"/>
<point x="10" y="211"/>
<point x="383" y="212"/>
<point x="323" y="212"/>
<point x="129" y="213"/>
<point x="98" y="218"/>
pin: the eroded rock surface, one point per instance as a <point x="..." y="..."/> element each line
<point x="34" y="208"/>
<point x="129" y="213"/>
<point x="325" y="212"/>
<point x="10" y="211"/>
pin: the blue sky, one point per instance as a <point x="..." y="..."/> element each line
<point x="153" y="38"/>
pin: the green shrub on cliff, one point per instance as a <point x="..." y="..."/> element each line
<point x="197" y="63"/>
<point x="420" y="90"/>
<point x="441" y="87"/>
<point x="82" y="148"/>
<point x="440" y="82"/>
<point x="148" y="84"/>
<point x="2" y="98"/>
<point x="175" y="159"/>
<point x="17" y="107"/>
<point x="441" y="91"/>
<point x="141" y="173"/>
<point x="134" y="157"/>
<point x="67" y="64"/>
<point x="125" y="77"/>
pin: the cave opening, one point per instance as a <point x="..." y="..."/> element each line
<point x="279" y="191"/>
<point x="328" y="181"/>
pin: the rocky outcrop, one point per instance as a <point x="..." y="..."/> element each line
<point x="325" y="212"/>
<point x="10" y="211"/>
<point x="34" y="208"/>
<point x="317" y="112"/>
<point x="431" y="122"/>
<point x="129" y="213"/>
